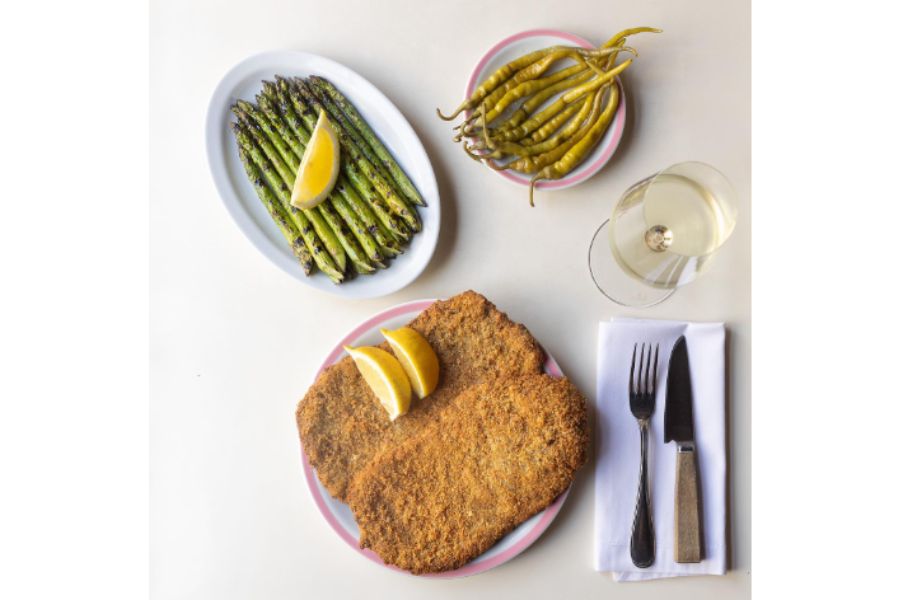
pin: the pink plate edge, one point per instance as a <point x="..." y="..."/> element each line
<point x="618" y="126"/>
<point x="548" y="514"/>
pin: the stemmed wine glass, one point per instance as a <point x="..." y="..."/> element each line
<point x="662" y="234"/>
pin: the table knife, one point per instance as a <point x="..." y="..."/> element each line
<point x="679" y="427"/>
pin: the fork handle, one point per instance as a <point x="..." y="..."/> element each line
<point x="687" y="506"/>
<point x="643" y="544"/>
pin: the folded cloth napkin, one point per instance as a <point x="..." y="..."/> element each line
<point x="618" y="448"/>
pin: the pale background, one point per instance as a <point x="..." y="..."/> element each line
<point x="235" y="341"/>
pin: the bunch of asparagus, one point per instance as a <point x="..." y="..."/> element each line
<point x="369" y="216"/>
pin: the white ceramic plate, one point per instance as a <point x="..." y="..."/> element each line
<point x="244" y="81"/>
<point x="338" y="514"/>
<point x="528" y="41"/>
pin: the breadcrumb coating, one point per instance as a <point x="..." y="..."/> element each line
<point x="500" y="453"/>
<point x="341" y="423"/>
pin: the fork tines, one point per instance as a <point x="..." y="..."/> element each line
<point x="642" y="389"/>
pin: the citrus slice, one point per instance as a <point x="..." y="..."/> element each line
<point x="385" y="377"/>
<point x="417" y="358"/>
<point x="319" y="166"/>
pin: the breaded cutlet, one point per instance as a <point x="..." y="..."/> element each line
<point x="500" y="453"/>
<point x="342" y="425"/>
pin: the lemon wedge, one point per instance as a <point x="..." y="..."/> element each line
<point x="319" y="166"/>
<point x="417" y="358"/>
<point x="385" y="377"/>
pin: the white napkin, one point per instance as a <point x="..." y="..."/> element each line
<point x="618" y="448"/>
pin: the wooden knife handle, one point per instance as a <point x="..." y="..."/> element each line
<point x="687" y="507"/>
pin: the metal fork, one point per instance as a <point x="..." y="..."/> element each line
<point x="642" y="399"/>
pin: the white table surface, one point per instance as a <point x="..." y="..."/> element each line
<point x="235" y="341"/>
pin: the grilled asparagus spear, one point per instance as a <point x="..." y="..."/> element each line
<point x="276" y="211"/>
<point x="381" y="151"/>
<point x="281" y="191"/>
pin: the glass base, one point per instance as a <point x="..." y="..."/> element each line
<point x="613" y="282"/>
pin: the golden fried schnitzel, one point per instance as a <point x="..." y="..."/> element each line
<point x="498" y="454"/>
<point x="343" y="426"/>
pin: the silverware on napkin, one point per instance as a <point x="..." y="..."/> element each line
<point x="679" y="427"/>
<point x="642" y="400"/>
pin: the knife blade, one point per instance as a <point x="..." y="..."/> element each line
<point x="679" y="417"/>
<point x="679" y="427"/>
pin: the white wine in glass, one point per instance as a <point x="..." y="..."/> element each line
<point x="663" y="232"/>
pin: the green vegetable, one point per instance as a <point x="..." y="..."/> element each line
<point x="396" y="203"/>
<point x="381" y="151"/>
<point x="573" y="157"/>
<point x="329" y="237"/>
<point x="366" y="189"/>
<point x="309" y="234"/>
<point x="345" y="237"/>
<point x="277" y="212"/>
<point x="362" y="231"/>
<point x="527" y="120"/>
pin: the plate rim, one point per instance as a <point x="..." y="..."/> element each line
<point x="617" y="128"/>
<point x="229" y="196"/>
<point x="470" y="568"/>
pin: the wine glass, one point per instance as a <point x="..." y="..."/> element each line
<point x="662" y="234"/>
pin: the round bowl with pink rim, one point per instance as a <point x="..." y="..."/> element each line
<point x="528" y="41"/>
<point x="338" y="514"/>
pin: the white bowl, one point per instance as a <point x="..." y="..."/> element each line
<point x="244" y="81"/>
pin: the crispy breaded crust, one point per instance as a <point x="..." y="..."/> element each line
<point x="342" y="426"/>
<point x="500" y="453"/>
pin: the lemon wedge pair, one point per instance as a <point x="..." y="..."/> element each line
<point x="393" y="378"/>
<point x="319" y="166"/>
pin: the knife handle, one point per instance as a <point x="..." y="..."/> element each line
<point x="687" y="507"/>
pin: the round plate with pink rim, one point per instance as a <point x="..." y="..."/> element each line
<point x="528" y="41"/>
<point x="338" y="514"/>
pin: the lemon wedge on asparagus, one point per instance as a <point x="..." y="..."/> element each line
<point x="385" y="377"/>
<point x="417" y="358"/>
<point x="319" y="166"/>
